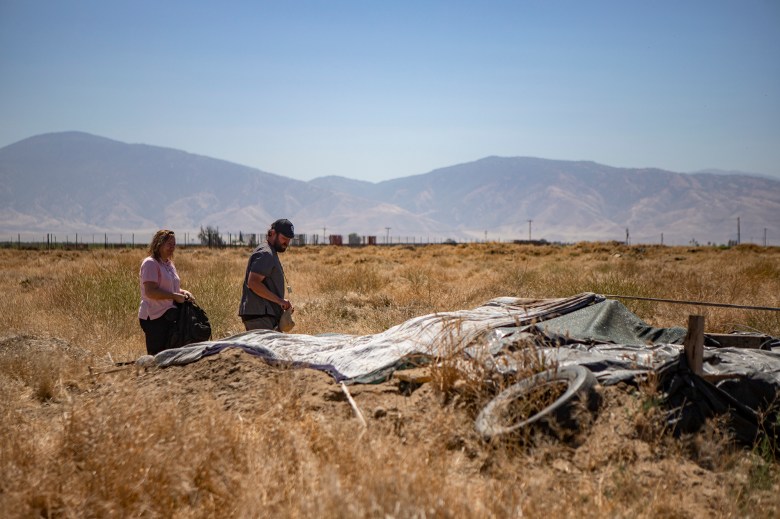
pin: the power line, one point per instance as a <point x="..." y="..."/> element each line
<point x="697" y="303"/>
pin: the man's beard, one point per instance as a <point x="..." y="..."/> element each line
<point x="278" y="247"/>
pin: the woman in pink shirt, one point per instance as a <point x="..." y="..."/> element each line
<point x="160" y="288"/>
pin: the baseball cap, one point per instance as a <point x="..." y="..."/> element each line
<point x="284" y="226"/>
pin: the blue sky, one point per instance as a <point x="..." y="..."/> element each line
<point x="377" y="90"/>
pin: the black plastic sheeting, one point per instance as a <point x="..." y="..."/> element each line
<point x="749" y="403"/>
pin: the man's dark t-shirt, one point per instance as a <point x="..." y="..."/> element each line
<point x="264" y="261"/>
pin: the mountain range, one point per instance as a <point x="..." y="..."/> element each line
<point x="73" y="182"/>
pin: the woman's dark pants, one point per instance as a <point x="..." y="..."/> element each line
<point x="158" y="334"/>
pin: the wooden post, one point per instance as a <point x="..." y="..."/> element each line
<point x="354" y="405"/>
<point x="694" y="344"/>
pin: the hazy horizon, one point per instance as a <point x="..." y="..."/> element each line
<point x="374" y="92"/>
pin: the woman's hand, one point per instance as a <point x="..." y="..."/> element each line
<point x="153" y="291"/>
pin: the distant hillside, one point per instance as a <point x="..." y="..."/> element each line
<point x="75" y="182"/>
<point x="573" y="201"/>
<point x="78" y="182"/>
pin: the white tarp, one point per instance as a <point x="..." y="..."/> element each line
<point x="366" y="358"/>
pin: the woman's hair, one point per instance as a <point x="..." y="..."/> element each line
<point x="159" y="238"/>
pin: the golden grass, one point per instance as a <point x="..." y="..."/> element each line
<point x="230" y="436"/>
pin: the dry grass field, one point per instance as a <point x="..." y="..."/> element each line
<point x="230" y="436"/>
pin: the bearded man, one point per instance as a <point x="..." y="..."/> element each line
<point x="263" y="297"/>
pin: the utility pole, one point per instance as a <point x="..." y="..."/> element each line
<point x="738" y="237"/>
<point x="529" y="229"/>
<point x="387" y="240"/>
<point x="764" y="236"/>
<point x="324" y="236"/>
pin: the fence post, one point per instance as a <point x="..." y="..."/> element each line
<point x="694" y="344"/>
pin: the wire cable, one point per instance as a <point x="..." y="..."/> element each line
<point x="697" y="303"/>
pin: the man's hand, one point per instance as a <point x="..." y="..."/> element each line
<point x="255" y="284"/>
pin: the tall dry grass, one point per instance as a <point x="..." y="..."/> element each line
<point x="232" y="437"/>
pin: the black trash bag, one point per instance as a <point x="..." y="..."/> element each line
<point x="190" y="325"/>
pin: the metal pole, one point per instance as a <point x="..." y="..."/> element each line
<point x="738" y="233"/>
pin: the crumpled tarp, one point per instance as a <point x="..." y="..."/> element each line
<point x="616" y="345"/>
<point x="372" y="358"/>
<point x="601" y="334"/>
<point x="610" y="363"/>
<point x="609" y="321"/>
